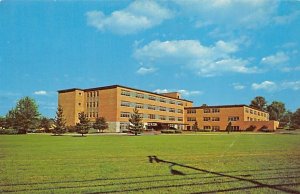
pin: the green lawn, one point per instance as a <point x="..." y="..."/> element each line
<point x="255" y="163"/>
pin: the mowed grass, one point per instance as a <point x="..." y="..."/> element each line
<point x="208" y="163"/>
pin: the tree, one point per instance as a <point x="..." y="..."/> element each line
<point x="286" y="119"/>
<point x="59" y="122"/>
<point x="295" y="121"/>
<point x="100" y="124"/>
<point x="259" y="102"/>
<point x="276" y="110"/>
<point x="25" y="115"/>
<point x="195" y="126"/>
<point x="83" y="126"/>
<point x="228" y="127"/>
<point x="136" y="124"/>
<point x="45" y="123"/>
<point x="2" y="122"/>
<point x="10" y="118"/>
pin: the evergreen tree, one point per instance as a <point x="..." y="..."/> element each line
<point x="228" y="128"/>
<point x="136" y="124"/>
<point x="2" y="122"/>
<point x="45" y="123"/>
<point x="100" y="124"/>
<point x="83" y="126"/>
<point x="59" y="122"/>
<point x="259" y="102"/>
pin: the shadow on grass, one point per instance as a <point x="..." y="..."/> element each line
<point x="200" y="178"/>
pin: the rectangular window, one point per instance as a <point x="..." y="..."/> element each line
<point x="87" y="104"/>
<point x="206" y="110"/>
<point x="251" y="111"/>
<point x="139" y="106"/>
<point x="206" y="118"/>
<point x="124" y="125"/>
<point x="171" y="118"/>
<point x="180" y="111"/>
<point x="97" y="104"/>
<point x="162" y="117"/>
<point x="125" y="114"/>
<point x="191" y="111"/>
<point x="151" y="116"/>
<point x="171" y="109"/>
<point x="152" y="98"/>
<point x="151" y="107"/>
<point x="172" y="102"/>
<point x="258" y="113"/>
<point x="255" y="112"/>
<point x="94" y="104"/>
<point x="206" y="127"/>
<point x="235" y="118"/>
<point x="180" y="103"/>
<point x="125" y="103"/>
<point x="97" y="93"/>
<point x="215" y="128"/>
<point x="162" y="100"/>
<point x="125" y="93"/>
<point x="139" y="95"/>
<point x="161" y="108"/>
<point x="93" y="114"/>
<point x="247" y="110"/>
<point x="215" y="118"/>
<point x="79" y="104"/>
<point x="91" y="104"/>
<point x="215" y="110"/>
<point x="191" y="119"/>
<point x="180" y="119"/>
<point x="88" y="94"/>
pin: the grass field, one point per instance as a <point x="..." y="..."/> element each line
<point x="207" y="163"/>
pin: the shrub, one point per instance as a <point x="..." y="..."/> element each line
<point x="8" y="131"/>
<point x="251" y="128"/>
<point x="71" y="129"/>
<point x="178" y="131"/>
<point x="168" y="131"/>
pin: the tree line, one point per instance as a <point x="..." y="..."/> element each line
<point x="25" y="117"/>
<point x="277" y="111"/>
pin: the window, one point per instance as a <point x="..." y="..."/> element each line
<point x="258" y="113"/>
<point x="161" y="108"/>
<point x="206" y="127"/>
<point x="139" y="106"/>
<point x="180" y="103"/>
<point x="93" y="114"/>
<point x="162" y="117"/>
<point x="90" y="114"/>
<point x="207" y="110"/>
<point x="235" y="128"/>
<point x="94" y="104"/>
<point x="124" y="103"/>
<point x="125" y="93"/>
<point x="151" y="116"/>
<point x="91" y="104"/>
<point x="97" y="104"/>
<point x="87" y="94"/>
<point x="191" y="119"/>
<point x="79" y="104"/>
<point x="180" y="111"/>
<point x="125" y="114"/>
<point x="215" y="128"/>
<point x="247" y="110"/>
<point x="215" y="118"/>
<point x="171" y="118"/>
<point x="171" y="109"/>
<point x="151" y="98"/>
<point x="172" y="102"/>
<point x="191" y="111"/>
<point x="251" y="111"/>
<point x="206" y="118"/>
<point x="124" y="125"/>
<point x="215" y="110"/>
<point x="139" y="95"/>
<point x="79" y="93"/>
<point x="87" y="104"/>
<point x="151" y="107"/>
<point x="97" y="93"/>
<point x="235" y="118"/>
<point x="180" y="119"/>
<point x="255" y="112"/>
<point x="97" y="114"/>
<point x="162" y="100"/>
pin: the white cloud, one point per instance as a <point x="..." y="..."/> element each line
<point x="203" y="60"/>
<point x="182" y="92"/>
<point x="294" y="85"/>
<point x="285" y="19"/>
<point x="238" y="86"/>
<point x="266" y="85"/>
<point x="145" y="70"/>
<point x="276" y="59"/>
<point x="231" y="13"/>
<point x="138" y="16"/>
<point x="40" y="92"/>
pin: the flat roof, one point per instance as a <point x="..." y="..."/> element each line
<point x="115" y="86"/>
<point x="225" y="106"/>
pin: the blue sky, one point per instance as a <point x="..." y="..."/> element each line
<point x="213" y="51"/>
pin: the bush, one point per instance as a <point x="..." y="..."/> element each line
<point x="178" y="131"/>
<point x="71" y="129"/>
<point x="8" y="131"/>
<point x="251" y="128"/>
<point x="168" y="131"/>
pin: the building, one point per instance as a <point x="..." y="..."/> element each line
<point x="216" y="118"/>
<point x="115" y="103"/>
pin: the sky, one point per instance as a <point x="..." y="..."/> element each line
<point x="214" y="52"/>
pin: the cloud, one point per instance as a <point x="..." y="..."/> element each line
<point x="138" y="16"/>
<point x="266" y="85"/>
<point x="182" y="92"/>
<point x="238" y="86"/>
<point x="145" y="70"/>
<point x="294" y="85"/>
<point x="230" y="13"/>
<point x="40" y="93"/>
<point x="204" y="60"/>
<point x="276" y="59"/>
<point x="285" y="19"/>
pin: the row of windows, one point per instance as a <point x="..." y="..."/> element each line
<point x="235" y="118"/>
<point x="152" y="116"/>
<point x="92" y="94"/>
<point x="254" y="119"/>
<point x="214" y="128"/>
<point x="191" y="119"/>
<point x="211" y="110"/>
<point x="191" y="111"/>
<point x="211" y="118"/>
<point x="255" y="112"/>
<point x="150" y="107"/>
<point x="149" y="97"/>
<point x="91" y="114"/>
<point x="92" y="104"/>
